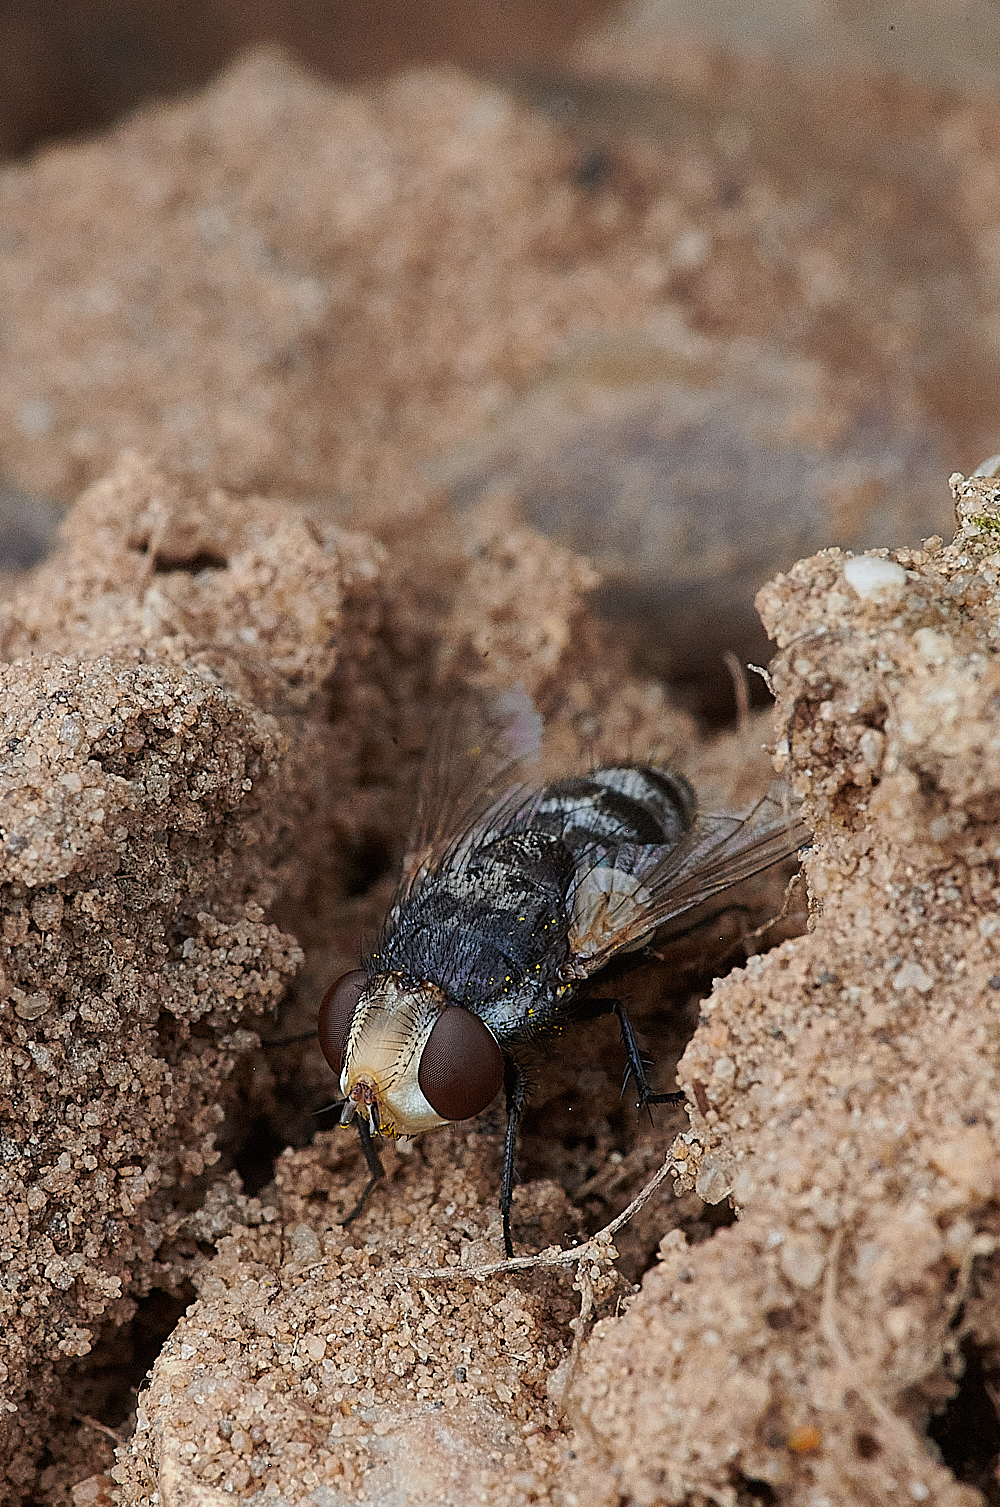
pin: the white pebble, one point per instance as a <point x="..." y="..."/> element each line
<point x="802" y="1263"/>
<point x="912" y="976"/>
<point x="872" y="576"/>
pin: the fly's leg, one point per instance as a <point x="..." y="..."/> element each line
<point x="517" y="1093"/>
<point x="637" y="1068"/>
<point x="374" y="1167"/>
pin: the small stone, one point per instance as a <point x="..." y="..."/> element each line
<point x="713" y="1183"/>
<point x="802" y="1263"/>
<point x="33" y="1006"/>
<point x="913" y="976"/>
<point x="874" y="578"/>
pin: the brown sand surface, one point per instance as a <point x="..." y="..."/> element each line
<point x="843" y="1093"/>
<point x="295" y="348"/>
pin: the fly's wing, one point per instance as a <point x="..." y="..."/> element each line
<point x="619" y="907"/>
<point x="472" y="780"/>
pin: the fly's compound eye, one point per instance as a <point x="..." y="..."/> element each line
<point x="336" y="1014"/>
<point x="461" y="1068"/>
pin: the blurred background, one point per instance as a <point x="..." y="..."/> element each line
<point x="74" y="65"/>
<point x="68" y="66"/>
<point x="811" y="349"/>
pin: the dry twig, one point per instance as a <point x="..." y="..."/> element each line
<point x="598" y="1248"/>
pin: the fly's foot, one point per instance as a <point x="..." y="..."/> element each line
<point x="677" y="1096"/>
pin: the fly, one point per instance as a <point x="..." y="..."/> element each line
<point x="512" y="895"/>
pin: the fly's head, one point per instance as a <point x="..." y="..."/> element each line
<point x="405" y="1058"/>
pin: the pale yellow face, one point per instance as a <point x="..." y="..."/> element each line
<point x="391" y="1027"/>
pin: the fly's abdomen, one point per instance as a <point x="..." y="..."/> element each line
<point x="626" y="805"/>
<point x="610" y="821"/>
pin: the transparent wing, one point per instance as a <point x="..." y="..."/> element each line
<point x="618" y="908"/>
<point x="473" y="776"/>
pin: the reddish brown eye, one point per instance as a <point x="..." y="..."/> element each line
<point x="461" y="1069"/>
<point x="336" y="1014"/>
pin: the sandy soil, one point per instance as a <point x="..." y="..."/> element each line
<point x="290" y="351"/>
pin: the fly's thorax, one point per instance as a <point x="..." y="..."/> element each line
<point x="392" y="1024"/>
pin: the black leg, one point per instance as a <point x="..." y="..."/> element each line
<point x="637" y="1068"/>
<point x="517" y="1093"/>
<point x="374" y="1167"/>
